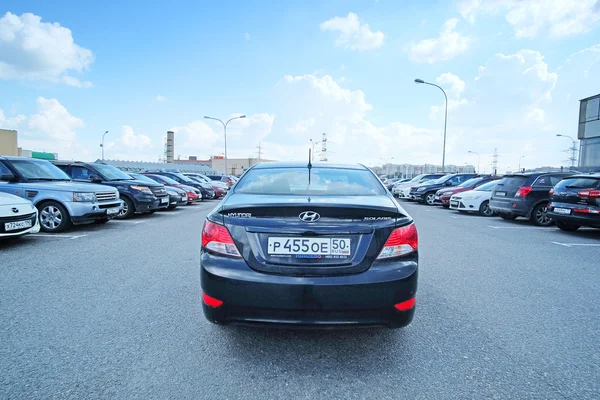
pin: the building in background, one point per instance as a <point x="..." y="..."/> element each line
<point x="412" y="170"/>
<point x="589" y="132"/>
<point x="235" y="166"/>
<point x="9" y="145"/>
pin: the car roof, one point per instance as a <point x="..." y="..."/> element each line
<point x="597" y="176"/>
<point x="531" y="174"/>
<point x="298" y="164"/>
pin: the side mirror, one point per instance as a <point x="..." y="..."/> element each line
<point x="8" y="178"/>
<point x="449" y="183"/>
<point x="95" y="178"/>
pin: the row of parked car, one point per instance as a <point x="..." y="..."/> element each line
<point x="569" y="200"/>
<point x="52" y="196"/>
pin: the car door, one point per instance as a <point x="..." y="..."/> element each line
<point x="541" y="189"/>
<point x="5" y="185"/>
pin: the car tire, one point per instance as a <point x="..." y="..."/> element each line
<point x="507" y="217"/>
<point x="539" y="215"/>
<point x="53" y="217"/>
<point x="485" y="210"/>
<point x="128" y="209"/>
<point x="101" y="221"/>
<point x="429" y="199"/>
<point x="565" y="226"/>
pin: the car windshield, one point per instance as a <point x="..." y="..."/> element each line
<point x="323" y="181"/>
<point x="437" y="180"/>
<point x="184" y="178"/>
<point x="417" y="178"/>
<point x="168" y="180"/>
<point x="487" y="187"/>
<point x="142" y="178"/>
<point x="469" y="182"/>
<point x="39" y="170"/>
<point x="111" y="173"/>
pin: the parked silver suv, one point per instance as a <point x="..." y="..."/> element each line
<point x="60" y="201"/>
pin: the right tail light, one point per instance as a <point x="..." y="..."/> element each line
<point x="402" y="241"/>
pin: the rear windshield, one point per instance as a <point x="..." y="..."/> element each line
<point x="578" y="183"/>
<point x="323" y="181"/>
<point x="513" y="180"/>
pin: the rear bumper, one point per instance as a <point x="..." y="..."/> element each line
<point x="251" y="297"/>
<point x="513" y="206"/>
<point x="590" y="219"/>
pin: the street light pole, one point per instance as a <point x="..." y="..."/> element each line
<point x="473" y="152"/>
<point x="520" y="163"/>
<point x="225" y="133"/>
<point x="313" y="149"/>
<point x="573" y="149"/>
<point x="102" y="145"/>
<point x="445" y="118"/>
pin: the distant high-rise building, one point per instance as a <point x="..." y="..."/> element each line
<point x="589" y="132"/>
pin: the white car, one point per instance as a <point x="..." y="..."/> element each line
<point x="17" y="216"/>
<point x="476" y="200"/>
<point x="402" y="190"/>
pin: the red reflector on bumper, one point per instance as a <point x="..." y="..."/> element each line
<point x="405" y="305"/>
<point x="211" y="301"/>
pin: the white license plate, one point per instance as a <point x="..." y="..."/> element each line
<point x="309" y="246"/>
<point x="11" y="226"/>
<point x="437" y="197"/>
<point x="454" y="204"/>
<point x="559" y="210"/>
<point x="164" y="200"/>
<point x="501" y="194"/>
<point x="112" y="211"/>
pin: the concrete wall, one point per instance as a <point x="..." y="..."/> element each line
<point x="8" y="143"/>
<point x="235" y="166"/>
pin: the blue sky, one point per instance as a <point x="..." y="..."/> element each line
<point x="513" y="72"/>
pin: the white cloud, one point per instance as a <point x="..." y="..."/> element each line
<point x="53" y="121"/>
<point x="352" y="34"/>
<point x="454" y="87"/>
<point x="529" y="17"/>
<point x="161" y="98"/>
<point x="32" y="49"/>
<point x="247" y="36"/>
<point x="10" y="123"/>
<point x="132" y="140"/>
<point x="72" y="81"/>
<point x="448" y="45"/>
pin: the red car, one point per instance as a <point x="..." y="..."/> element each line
<point x="442" y="196"/>
<point x="193" y="194"/>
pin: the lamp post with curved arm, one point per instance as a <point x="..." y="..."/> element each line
<point x="445" y="118"/>
<point x="225" y="133"/>
<point x="102" y="145"/>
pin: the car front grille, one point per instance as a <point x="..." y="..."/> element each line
<point x="106" y="196"/>
<point x="159" y="192"/>
<point x="16" y="218"/>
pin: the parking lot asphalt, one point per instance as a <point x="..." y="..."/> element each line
<point x="504" y="310"/>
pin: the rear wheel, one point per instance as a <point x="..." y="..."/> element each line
<point x="53" y="217"/>
<point x="508" y="217"/>
<point x="429" y="199"/>
<point x="540" y="217"/>
<point x="485" y="210"/>
<point x="565" y="226"/>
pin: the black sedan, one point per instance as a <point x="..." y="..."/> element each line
<point x="309" y="245"/>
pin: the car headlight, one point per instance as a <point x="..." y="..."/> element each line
<point x="421" y="189"/>
<point x="445" y="193"/>
<point x="143" y="189"/>
<point x="84" y="196"/>
<point x="472" y="197"/>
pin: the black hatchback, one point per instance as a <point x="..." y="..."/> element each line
<point x="316" y="245"/>
<point x="525" y="195"/>
<point x="575" y="202"/>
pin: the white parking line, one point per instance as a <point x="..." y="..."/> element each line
<point x="577" y="244"/>
<point x="518" y="227"/>
<point x="51" y="235"/>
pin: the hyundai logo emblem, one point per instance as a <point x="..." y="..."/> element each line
<point x="15" y="210"/>
<point x="309" y="216"/>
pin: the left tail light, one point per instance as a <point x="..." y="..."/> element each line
<point x="401" y="241"/>
<point x="523" y="191"/>
<point x="217" y="239"/>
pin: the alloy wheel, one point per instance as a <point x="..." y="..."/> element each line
<point x="542" y="217"/>
<point x="430" y="199"/>
<point x="51" y="217"/>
